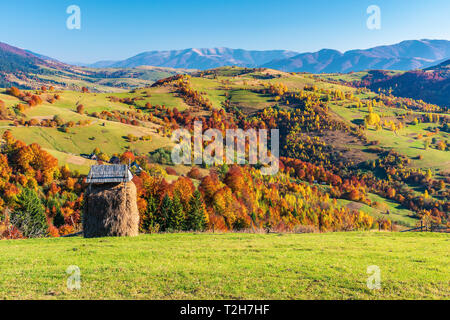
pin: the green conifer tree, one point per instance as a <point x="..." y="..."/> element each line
<point x="177" y="217"/>
<point x="149" y="220"/>
<point x="29" y="216"/>
<point x="196" y="220"/>
<point x="164" y="213"/>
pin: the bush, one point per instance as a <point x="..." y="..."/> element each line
<point x="161" y="156"/>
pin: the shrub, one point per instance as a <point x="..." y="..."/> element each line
<point x="171" y="171"/>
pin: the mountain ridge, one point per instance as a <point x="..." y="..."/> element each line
<point x="406" y="55"/>
<point x="199" y="58"/>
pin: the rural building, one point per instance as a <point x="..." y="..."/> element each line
<point x="137" y="167"/>
<point x="92" y="156"/>
<point x="109" y="174"/>
<point x="114" y="160"/>
<point x="110" y="207"/>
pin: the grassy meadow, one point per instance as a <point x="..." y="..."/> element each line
<point x="229" y="266"/>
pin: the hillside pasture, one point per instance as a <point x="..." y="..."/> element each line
<point x="229" y="266"/>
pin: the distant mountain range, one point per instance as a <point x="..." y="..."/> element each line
<point x="407" y="55"/>
<point x="199" y="58"/>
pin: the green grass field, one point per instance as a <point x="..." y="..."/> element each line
<point x="229" y="266"/>
<point x="404" y="141"/>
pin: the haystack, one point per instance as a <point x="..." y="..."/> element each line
<point x="110" y="208"/>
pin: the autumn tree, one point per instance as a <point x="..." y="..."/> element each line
<point x="15" y="92"/>
<point x="372" y="119"/>
<point x="127" y="157"/>
<point x="80" y="109"/>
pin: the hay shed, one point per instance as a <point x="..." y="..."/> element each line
<point x="110" y="205"/>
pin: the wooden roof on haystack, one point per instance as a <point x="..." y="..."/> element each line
<point x="109" y="174"/>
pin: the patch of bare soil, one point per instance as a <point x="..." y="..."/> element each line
<point x="352" y="148"/>
<point x="354" y="206"/>
<point x="76" y="160"/>
<point x="40" y="118"/>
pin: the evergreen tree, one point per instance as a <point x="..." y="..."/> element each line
<point x="196" y="219"/>
<point x="150" y="219"/>
<point x="29" y="216"/>
<point x="164" y="213"/>
<point x="177" y="218"/>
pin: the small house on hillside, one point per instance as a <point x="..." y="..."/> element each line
<point x="109" y="174"/>
<point x="92" y="156"/>
<point x="137" y="167"/>
<point x="114" y="160"/>
<point x="110" y="204"/>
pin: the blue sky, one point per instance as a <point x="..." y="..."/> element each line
<point x="112" y="30"/>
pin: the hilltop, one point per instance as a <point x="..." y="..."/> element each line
<point x="431" y="84"/>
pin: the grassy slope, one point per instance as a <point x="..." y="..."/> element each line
<point x="397" y="213"/>
<point x="229" y="266"/>
<point x="67" y="147"/>
<point x="405" y="141"/>
<point x="103" y="80"/>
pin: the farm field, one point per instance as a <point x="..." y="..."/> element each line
<point x="229" y="266"/>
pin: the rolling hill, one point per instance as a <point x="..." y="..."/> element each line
<point x="13" y="59"/>
<point x="28" y="70"/>
<point x="431" y="84"/>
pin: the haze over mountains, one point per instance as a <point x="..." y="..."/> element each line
<point x="407" y="55"/>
